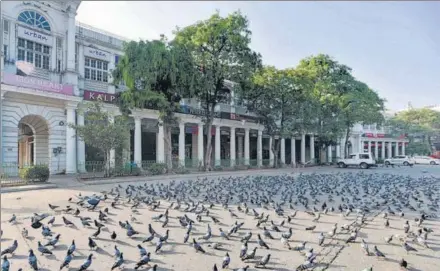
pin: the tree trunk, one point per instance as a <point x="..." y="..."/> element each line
<point x="168" y="147"/>
<point x="347" y="134"/>
<point x="208" y="150"/>
<point x="276" y="150"/>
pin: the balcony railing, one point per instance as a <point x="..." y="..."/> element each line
<point x="87" y="31"/>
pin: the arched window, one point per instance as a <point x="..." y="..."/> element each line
<point x="34" y="19"/>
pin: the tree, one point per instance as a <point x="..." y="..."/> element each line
<point x="420" y="125"/>
<point x="100" y="132"/>
<point x="360" y="105"/>
<point x="157" y="75"/>
<point x="328" y="81"/>
<point x="220" y="49"/>
<point x="276" y="97"/>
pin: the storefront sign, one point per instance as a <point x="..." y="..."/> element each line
<point x="35" y="36"/>
<point x="99" y="96"/>
<point x="96" y="53"/>
<point x="36" y="83"/>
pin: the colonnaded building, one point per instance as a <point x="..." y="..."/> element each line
<point x="50" y="63"/>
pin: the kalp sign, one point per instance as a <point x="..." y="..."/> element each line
<point x="99" y="96"/>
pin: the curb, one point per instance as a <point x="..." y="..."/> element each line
<point x="5" y="190"/>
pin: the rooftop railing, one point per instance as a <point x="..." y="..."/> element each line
<point x="88" y="31"/>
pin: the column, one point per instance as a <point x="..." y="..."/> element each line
<point x="293" y="150"/>
<point x="390" y="149"/>
<point x="361" y="145"/>
<point x="240" y="149"/>
<point x="376" y="149"/>
<point x="403" y="148"/>
<point x="312" y="148"/>
<point x="70" y="41"/>
<point x="338" y="148"/>
<point x="369" y="146"/>
<point x="329" y="154"/>
<point x="70" y="141"/>
<point x="138" y="141"/>
<point x="246" y="147"/>
<point x="200" y="149"/>
<point x="112" y="158"/>
<point x="271" y="154"/>
<point x="81" y="147"/>
<point x="283" y="151"/>
<point x="396" y="148"/>
<point x="160" y="157"/>
<point x="303" y="149"/>
<point x="217" y="145"/>
<point x="182" y="144"/>
<point x="232" y="146"/>
<point x="383" y="150"/>
<point x="260" y="148"/>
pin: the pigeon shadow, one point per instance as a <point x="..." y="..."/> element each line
<point x="427" y="256"/>
<point x="60" y="247"/>
<point x="103" y="252"/>
<point x="19" y="257"/>
<point x="120" y="242"/>
<point x="30" y="238"/>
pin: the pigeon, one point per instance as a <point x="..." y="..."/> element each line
<point x="142" y="251"/>
<point x="86" y="264"/>
<point x="250" y="255"/>
<point x="117" y="252"/>
<point x="67" y="222"/>
<point x="321" y="239"/>
<point x="5" y="264"/>
<point x="143" y="261"/>
<point x="261" y="243"/>
<point x="364" y="246"/>
<point x="13" y="219"/>
<point x="32" y="260"/>
<point x="118" y="262"/>
<point x="11" y="249"/>
<point x="53" y="207"/>
<point x="198" y="247"/>
<point x="264" y="261"/>
<point x="113" y="235"/>
<point x="54" y="241"/>
<point x="403" y="264"/>
<point x="226" y="261"/>
<point x="378" y="253"/>
<point x="51" y="221"/>
<point x="43" y="250"/>
<point x="72" y="248"/>
<point x="95" y="234"/>
<point x="92" y="245"/>
<point x="408" y="248"/>
<point x="66" y="261"/>
<point x="24" y="233"/>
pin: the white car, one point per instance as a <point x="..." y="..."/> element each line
<point x="426" y="160"/>
<point x="362" y="160"/>
<point x="399" y="160"/>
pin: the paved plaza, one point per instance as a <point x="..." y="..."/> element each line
<point x="290" y="200"/>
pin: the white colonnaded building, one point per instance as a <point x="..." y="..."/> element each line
<point x="50" y="63"/>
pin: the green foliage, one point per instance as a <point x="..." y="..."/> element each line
<point x="219" y="47"/>
<point x="100" y="132"/>
<point x="157" y="168"/>
<point x="181" y="170"/>
<point x="218" y="168"/>
<point x="39" y="173"/>
<point x="421" y="124"/>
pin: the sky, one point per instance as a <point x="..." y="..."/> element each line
<point x="394" y="47"/>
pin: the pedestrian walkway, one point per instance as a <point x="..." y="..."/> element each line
<point x="70" y="181"/>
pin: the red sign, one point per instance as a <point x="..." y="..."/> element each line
<point x="99" y="96"/>
<point x="374" y="135"/>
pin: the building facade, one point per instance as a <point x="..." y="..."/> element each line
<point x="51" y="63"/>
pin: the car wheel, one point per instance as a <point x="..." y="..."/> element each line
<point x="405" y="163"/>
<point x="432" y="163"/>
<point x="387" y="163"/>
<point x="341" y="165"/>
<point x="364" y="165"/>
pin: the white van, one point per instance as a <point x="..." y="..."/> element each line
<point x="362" y="160"/>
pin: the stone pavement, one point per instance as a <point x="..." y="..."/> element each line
<point x="69" y="181"/>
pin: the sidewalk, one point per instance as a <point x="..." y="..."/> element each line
<point x="70" y="181"/>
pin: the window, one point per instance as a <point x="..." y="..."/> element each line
<point x="6" y="26"/>
<point x="33" y="52"/>
<point x="364" y="156"/>
<point x="96" y="69"/>
<point x="5" y="52"/>
<point x="35" y="19"/>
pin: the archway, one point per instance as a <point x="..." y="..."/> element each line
<point x="33" y="141"/>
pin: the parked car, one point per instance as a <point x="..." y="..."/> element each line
<point x="362" y="160"/>
<point x="426" y="160"/>
<point x="399" y="160"/>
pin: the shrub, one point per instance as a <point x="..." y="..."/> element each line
<point x="39" y="173"/>
<point x="218" y="168"/>
<point x="181" y="170"/>
<point x="157" y="168"/>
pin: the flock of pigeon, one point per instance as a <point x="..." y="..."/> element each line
<point x="271" y="203"/>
